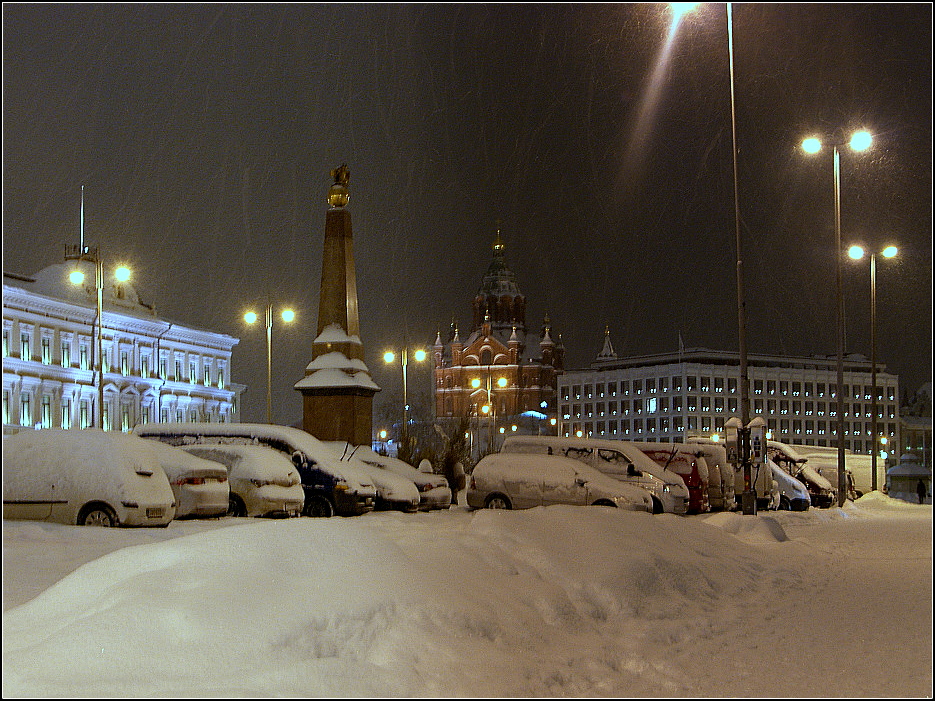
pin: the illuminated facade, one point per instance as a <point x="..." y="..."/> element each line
<point x="153" y="369"/>
<point x="486" y="377"/>
<point x="667" y="397"/>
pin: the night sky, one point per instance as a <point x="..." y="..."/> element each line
<point x="204" y="136"/>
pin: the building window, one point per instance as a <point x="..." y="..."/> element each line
<point x="66" y="413"/>
<point x="6" y="343"/>
<point x="84" y="414"/>
<point x="124" y="363"/>
<point x="46" y="417"/>
<point x="66" y="354"/>
<point x="144" y="366"/>
<point x="770" y="386"/>
<point x="105" y="417"/>
<point x="796" y="389"/>
<point x="83" y="356"/>
<point x="124" y="418"/>
<point x="47" y="351"/>
<point x="164" y="368"/>
<point x="705" y="384"/>
<point x="6" y="407"/>
<point x="612" y="389"/>
<point x="207" y="375"/>
<point x="25" y="411"/>
<point x="24" y="346"/>
<point x="193" y="372"/>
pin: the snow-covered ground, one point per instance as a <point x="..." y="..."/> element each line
<point x="555" y="601"/>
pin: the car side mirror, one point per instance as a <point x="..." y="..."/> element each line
<point x="633" y="472"/>
<point x="580" y="482"/>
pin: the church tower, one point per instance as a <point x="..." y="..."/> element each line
<point x="486" y="377"/>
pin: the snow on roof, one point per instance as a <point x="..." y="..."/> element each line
<point x="337" y="360"/>
<point x="332" y="377"/>
<point x="335" y="333"/>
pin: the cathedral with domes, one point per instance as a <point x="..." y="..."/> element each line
<point x="489" y="373"/>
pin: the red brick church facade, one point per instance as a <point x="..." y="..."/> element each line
<point x="486" y="375"/>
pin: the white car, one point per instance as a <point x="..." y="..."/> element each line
<point x="434" y="492"/>
<point x="84" y="477"/>
<point x="200" y="486"/>
<point x="263" y="481"/>
<point x="523" y="481"/>
<point x="331" y="487"/>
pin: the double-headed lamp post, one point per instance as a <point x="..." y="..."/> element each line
<point x="76" y="277"/>
<point x="856" y="253"/>
<point x="859" y="141"/>
<point x="252" y="317"/>
<point x="389" y="357"/>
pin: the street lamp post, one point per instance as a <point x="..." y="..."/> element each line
<point x="857" y="252"/>
<point x="859" y="141"/>
<point x="389" y="357"/>
<point x="121" y="274"/>
<point x="252" y="317"/>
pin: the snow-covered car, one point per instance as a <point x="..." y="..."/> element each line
<point x="682" y="460"/>
<point x="720" y="473"/>
<point x="523" y="481"/>
<point x="200" y="486"/>
<point x="393" y="491"/>
<point x="434" y="492"/>
<point x="84" y="477"/>
<point x="613" y="458"/>
<point x="822" y="493"/>
<point x="263" y="481"/>
<point x="330" y="486"/>
<point x="793" y="496"/>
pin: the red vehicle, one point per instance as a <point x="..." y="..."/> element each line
<point x="685" y="461"/>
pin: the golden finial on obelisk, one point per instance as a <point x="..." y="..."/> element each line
<point x="337" y="194"/>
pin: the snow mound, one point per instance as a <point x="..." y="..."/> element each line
<point x="328" y="607"/>
<point x="750" y="529"/>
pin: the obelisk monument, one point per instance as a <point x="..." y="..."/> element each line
<point x="337" y="390"/>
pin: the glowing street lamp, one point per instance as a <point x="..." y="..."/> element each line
<point x="251" y="317"/>
<point x="856" y="253"/>
<point x="859" y="141"/>
<point x="77" y="277"/>
<point x="389" y="357"/>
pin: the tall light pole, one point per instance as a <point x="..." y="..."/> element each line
<point x="77" y="277"/>
<point x="859" y="142"/>
<point x="252" y="317"/>
<point x="389" y="357"/>
<point x="856" y="253"/>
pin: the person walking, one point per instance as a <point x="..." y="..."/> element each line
<point x="920" y="491"/>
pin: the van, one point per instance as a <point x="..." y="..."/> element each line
<point x="821" y="492"/>
<point x="84" y="477"/>
<point x="331" y="487"/>
<point x="858" y="469"/>
<point x="613" y="458"/>
<point x="687" y="463"/>
<point x="522" y="481"/>
<point x="793" y="496"/>
<point x="721" y="485"/>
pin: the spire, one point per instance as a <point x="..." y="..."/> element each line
<point x="608" y="350"/>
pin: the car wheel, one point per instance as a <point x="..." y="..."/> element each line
<point x="97" y="515"/>
<point x="235" y="506"/>
<point x="317" y="507"/>
<point x="784" y="504"/>
<point x="657" y="506"/>
<point x="604" y="502"/>
<point x="498" y="501"/>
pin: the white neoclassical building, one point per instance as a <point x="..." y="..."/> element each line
<point x="153" y="369"/>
